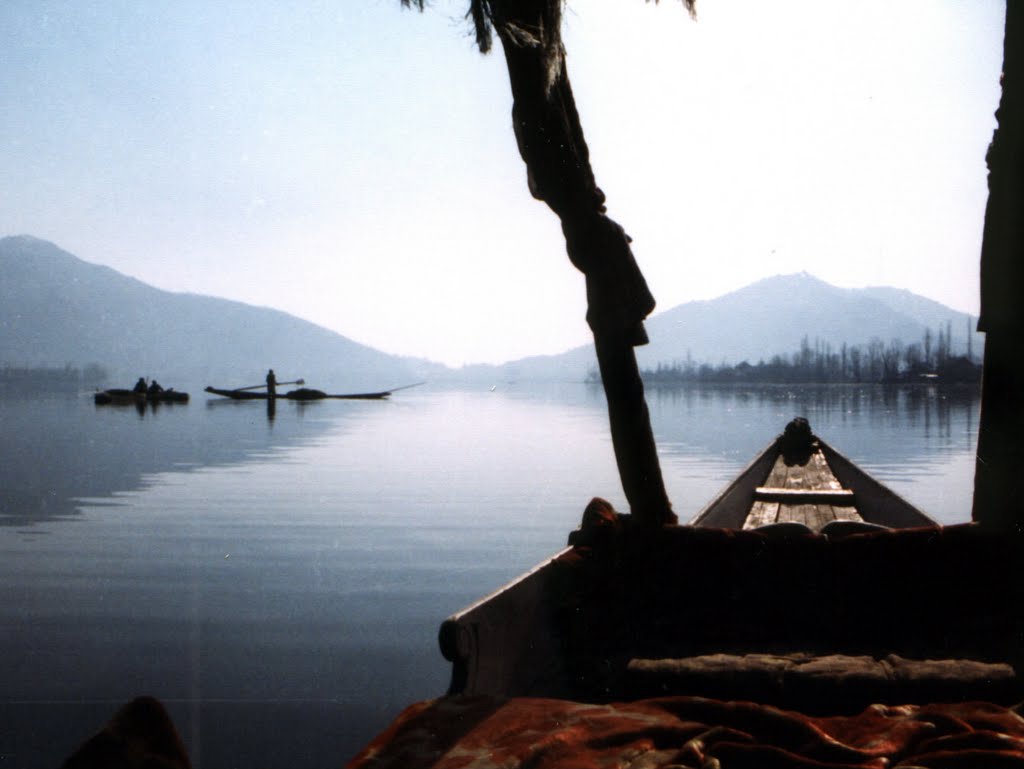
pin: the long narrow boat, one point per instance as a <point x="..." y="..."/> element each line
<point x="800" y="480"/>
<point x="302" y="394"/>
<point x="128" y="397"/>
<point x="803" y="557"/>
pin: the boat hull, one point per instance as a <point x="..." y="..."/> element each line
<point x="876" y="504"/>
<point x="238" y="395"/>
<point x="129" y="397"/>
<point x="717" y="608"/>
<point x="303" y="394"/>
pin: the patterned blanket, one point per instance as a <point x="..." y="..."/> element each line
<point x="692" y="733"/>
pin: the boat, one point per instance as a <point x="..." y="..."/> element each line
<point x="129" y="397"/>
<point x="239" y="395"/>
<point x="799" y="480"/>
<point x="803" y="557"/>
<point x="806" y="612"/>
<point x="301" y="394"/>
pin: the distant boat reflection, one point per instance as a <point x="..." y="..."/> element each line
<point x="61" y="449"/>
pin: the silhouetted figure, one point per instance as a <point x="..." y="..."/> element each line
<point x="140" y="386"/>
<point x="155" y="388"/>
<point x="271" y="384"/>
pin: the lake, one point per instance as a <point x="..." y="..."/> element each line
<point x="279" y="582"/>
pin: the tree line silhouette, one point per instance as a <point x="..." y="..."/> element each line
<point x="818" y="362"/>
<point x="50" y="378"/>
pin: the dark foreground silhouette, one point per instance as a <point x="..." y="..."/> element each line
<point x="141" y="735"/>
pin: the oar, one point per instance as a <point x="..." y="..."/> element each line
<point x="405" y="387"/>
<point x="257" y="387"/>
<point x="372" y="396"/>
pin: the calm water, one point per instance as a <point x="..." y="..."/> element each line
<point x="279" y="583"/>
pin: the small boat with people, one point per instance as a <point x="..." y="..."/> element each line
<point x="127" y="397"/>
<point x="300" y="394"/>
<point x="142" y="393"/>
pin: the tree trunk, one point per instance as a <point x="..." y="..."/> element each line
<point x="551" y="143"/>
<point x="635" y="451"/>
<point x="999" y="472"/>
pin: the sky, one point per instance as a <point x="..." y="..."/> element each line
<point x="353" y="163"/>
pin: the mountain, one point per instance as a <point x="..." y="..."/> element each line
<point x="56" y="309"/>
<point x="934" y="315"/>
<point x="772" y="316"/>
<point x="767" y="318"/>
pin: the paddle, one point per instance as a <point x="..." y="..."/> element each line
<point x="357" y="396"/>
<point x="405" y="387"/>
<point x="257" y="387"/>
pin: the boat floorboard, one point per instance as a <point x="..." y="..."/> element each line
<point x="807" y="493"/>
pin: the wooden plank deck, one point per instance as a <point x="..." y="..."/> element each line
<point x="809" y="494"/>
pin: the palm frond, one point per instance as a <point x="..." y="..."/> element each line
<point x="691" y="7"/>
<point x="524" y="24"/>
<point x="499" y="15"/>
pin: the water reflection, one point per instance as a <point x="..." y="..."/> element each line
<point x="64" y="448"/>
<point x="293" y="566"/>
<point x="735" y="412"/>
<point x="61" y="449"/>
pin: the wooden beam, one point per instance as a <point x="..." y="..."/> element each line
<point x="551" y="142"/>
<point x="804" y="496"/>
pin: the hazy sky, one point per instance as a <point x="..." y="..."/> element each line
<point x="354" y="164"/>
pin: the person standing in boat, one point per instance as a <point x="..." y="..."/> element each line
<point x="271" y="384"/>
<point x="140" y="386"/>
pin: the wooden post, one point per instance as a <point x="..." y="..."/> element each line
<point x="635" y="451"/>
<point x="551" y="142"/>
<point x="999" y="473"/>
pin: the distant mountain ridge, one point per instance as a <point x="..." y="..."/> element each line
<point x="772" y="316"/>
<point x="56" y="309"/>
<point x="767" y="318"/>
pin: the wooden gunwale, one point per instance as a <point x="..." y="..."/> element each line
<point x="506" y="642"/>
<point x="487" y="650"/>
